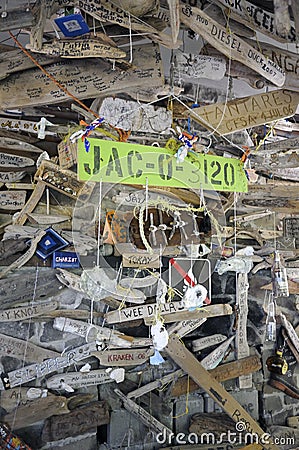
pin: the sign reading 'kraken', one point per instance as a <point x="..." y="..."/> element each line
<point x="119" y="162"/>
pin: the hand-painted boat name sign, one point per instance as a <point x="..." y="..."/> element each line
<point x="254" y="16"/>
<point x="231" y="45"/>
<point x="119" y="162"/>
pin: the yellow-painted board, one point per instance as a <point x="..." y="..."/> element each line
<point x="122" y="162"/>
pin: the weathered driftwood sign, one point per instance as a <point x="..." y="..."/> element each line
<point x="26" y="312"/>
<point x="138" y="259"/>
<point x="253" y="16"/>
<point x="37" y="410"/>
<point x="216" y="356"/>
<point x="79" y="379"/>
<point x="84" y="79"/>
<point x="13" y="144"/>
<point x="187" y="361"/>
<point x="77" y="422"/>
<point x="17" y="61"/>
<point x="67" y="153"/>
<point x="207" y="341"/>
<point x="231" y="45"/>
<point x="12" y="200"/>
<point x="224" y="372"/>
<point x="26" y="256"/>
<point x="24" y="350"/>
<point x="199" y="313"/>
<point x="20" y="396"/>
<point x="185" y="326"/>
<point x="86" y="47"/>
<point x="31" y="203"/>
<point x="128" y="357"/>
<point x="10" y="160"/>
<point x="33" y="371"/>
<point x="11" y="177"/>
<point x="246" y="112"/>
<point x="175" y="311"/>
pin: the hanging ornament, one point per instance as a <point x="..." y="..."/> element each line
<point x="195" y="297"/>
<point x="159" y="335"/>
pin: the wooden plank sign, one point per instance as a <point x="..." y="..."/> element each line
<point x="37" y="410"/>
<point x="20" y="396"/>
<point x="84" y="78"/>
<point x="171" y="312"/>
<point x="126" y="357"/>
<point x="11" y="177"/>
<point x="231" y="45"/>
<point x="138" y="259"/>
<point x="78" y="421"/>
<point x="24" y="350"/>
<point x="10" y="160"/>
<point x="253" y="16"/>
<point x="120" y="162"/>
<point x="207" y="341"/>
<point x="34" y="371"/>
<point x="79" y="379"/>
<point x="67" y="153"/>
<point x="27" y="312"/>
<point x="246" y="112"/>
<point x="12" y="200"/>
<point x="91" y="47"/>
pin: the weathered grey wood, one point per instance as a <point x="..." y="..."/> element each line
<point x="31" y="203"/>
<point x="126" y="357"/>
<point x="12" y="200"/>
<point x="37" y="410"/>
<point x="28" y="88"/>
<point x="230" y="45"/>
<point x="17" y="287"/>
<point x="174" y="17"/>
<point x="34" y="371"/>
<point x="14" y="144"/>
<point x="77" y="422"/>
<point x="247" y="111"/>
<point x="142" y="414"/>
<point x="24" y="350"/>
<point x="27" y="186"/>
<point x="26" y="312"/>
<point x="42" y="12"/>
<point x="282" y="19"/>
<point x="293" y="421"/>
<point x="184" y="327"/>
<point x="25" y="257"/>
<point x="159" y="383"/>
<point x="86" y="47"/>
<point x="253" y="16"/>
<point x="138" y="259"/>
<point x="216" y="356"/>
<point x="295" y="9"/>
<point x="223" y="372"/>
<point x="184" y="358"/>
<point x="200" y="66"/>
<point x="16" y="19"/>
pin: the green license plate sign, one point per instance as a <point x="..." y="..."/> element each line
<point x="122" y="162"/>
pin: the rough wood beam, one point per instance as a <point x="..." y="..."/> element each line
<point x="17" y="19"/>
<point x="282" y="17"/>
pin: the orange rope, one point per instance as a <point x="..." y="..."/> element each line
<point x="65" y="90"/>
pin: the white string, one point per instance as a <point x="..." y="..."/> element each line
<point x="130" y="39"/>
<point x="99" y="226"/>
